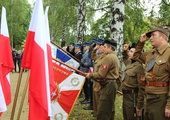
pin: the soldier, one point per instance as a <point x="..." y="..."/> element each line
<point x="97" y="55"/>
<point x="70" y="49"/>
<point x="157" y="77"/>
<point x="86" y="63"/>
<point x="77" y="50"/>
<point x="133" y="91"/>
<point x="106" y="74"/>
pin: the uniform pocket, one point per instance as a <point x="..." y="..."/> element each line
<point x="131" y="77"/>
<point x="160" y="67"/>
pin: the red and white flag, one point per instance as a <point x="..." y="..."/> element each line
<point x="35" y="58"/>
<point x="68" y="85"/>
<point x="6" y="65"/>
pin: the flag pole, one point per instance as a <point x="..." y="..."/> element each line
<point x="23" y="96"/>
<point x="79" y="71"/>
<point x="82" y="73"/>
<point x="16" y="94"/>
<point x="66" y="52"/>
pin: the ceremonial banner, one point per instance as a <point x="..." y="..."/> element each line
<point x="36" y="57"/>
<point x="61" y="55"/>
<point x="6" y="65"/>
<point x="68" y="85"/>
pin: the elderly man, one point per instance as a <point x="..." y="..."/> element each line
<point x="157" y="76"/>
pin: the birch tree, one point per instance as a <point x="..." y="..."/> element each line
<point x="117" y="22"/>
<point x="81" y="21"/>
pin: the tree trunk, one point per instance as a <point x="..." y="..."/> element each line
<point x="81" y="21"/>
<point x="117" y="25"/>
<point x="63" y="35"/>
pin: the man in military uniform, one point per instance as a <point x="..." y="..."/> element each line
<point x="97" y="56"/>
<point x="71" y="48"/>
<point x="78" y="52"/>
<point x="106" y="74"/>
<point x="133" y="91"/>
<point x="157" y="77"/>
<point x="86" y="63"/>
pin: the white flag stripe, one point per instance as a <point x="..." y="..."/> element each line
<point x="4" y="27"/>
<point x="4" y="32"/>
<point x="58" y="112"/>
<point x="38" y="24"/>
<point x="2" y="101"/>
<point x="47" y="40"/>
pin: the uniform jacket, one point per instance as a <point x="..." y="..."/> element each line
<point x="97" y="63"/>
<point x="132" y="81"/>
<point x="160" y="70"/>
<point x="109" y="68"/>
<point x="87" y="61"/>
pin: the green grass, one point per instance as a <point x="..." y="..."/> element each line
<point x="79" y="114"/>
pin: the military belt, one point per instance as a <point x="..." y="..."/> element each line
<point x="129" y="91"/>
<point x="157" y="84"/>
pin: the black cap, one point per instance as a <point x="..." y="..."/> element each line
<point x="162" y="29"/>
<point x="133" y="45"/>
<point x="111" y="42"/>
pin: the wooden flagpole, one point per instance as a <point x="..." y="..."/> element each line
<point x="23" y="96"/>
<point x="79" y="71"/>
<point x="66" y="52"/>
<point x="82" y="73"/>
<point x="16" y="94"/>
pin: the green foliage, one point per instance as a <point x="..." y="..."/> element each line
<point x="62" y="13"/>
<point x="164" y="14"/>
<point x="63" y="16"/>
<point x="18" y="17"/>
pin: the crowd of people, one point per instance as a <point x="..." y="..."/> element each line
<point x="17" y="57"/>
<point x="144" y="79"/>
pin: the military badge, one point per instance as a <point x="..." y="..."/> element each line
<point x="104" y="67"/>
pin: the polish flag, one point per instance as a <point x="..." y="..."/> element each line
<point x="35" y="58"/>
<point x="68" y="85"/>
<point x="6" y="65"/>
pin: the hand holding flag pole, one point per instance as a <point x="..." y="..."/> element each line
<point x="82" y="73"/>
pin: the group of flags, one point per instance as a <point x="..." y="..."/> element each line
<point x="53" y="89"/>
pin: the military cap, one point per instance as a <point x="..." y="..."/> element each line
<point x="133" y="45"/>
<point x="100" y="41"/>
<point x="94" y="40"/>
<point x="86" y="44"/>
<point x="71" y="44"/>
<point x="162" y="29"/>
<point x="77" y="46"/>
<point x="111" y="42"/>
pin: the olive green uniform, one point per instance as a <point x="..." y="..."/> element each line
<point x="157" y="80"/>
<point x="133" y="91"/>
<point x="96" y="85"/>
<point x="108" y="71"/>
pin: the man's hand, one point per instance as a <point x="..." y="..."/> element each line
<point x="87" y="75"/>
<point x="167" y="113"/>
<point x="143" y="38"/>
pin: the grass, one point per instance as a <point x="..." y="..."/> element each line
<point x="79" y="114"/>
